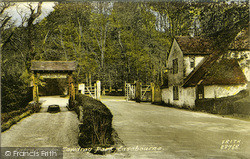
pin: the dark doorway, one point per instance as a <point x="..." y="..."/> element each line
<point x="200" y="92"/>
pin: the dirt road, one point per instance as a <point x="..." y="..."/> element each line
<point x="44" y="129"/>
<point x="147" y="131"/>
<point x="178" y="133"/>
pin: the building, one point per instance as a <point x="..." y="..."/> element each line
<point x="195" y="71"/>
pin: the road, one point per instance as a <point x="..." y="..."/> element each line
<point x="146" y="130"/>
<point x="180" y="133"/>
<point x="44" y="129"/>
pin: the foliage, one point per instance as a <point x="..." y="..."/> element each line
<point x="112" y="41"/>
<point x="225" y="105"/>
<point x="8" y="119"/>
<point x="96" y="128"/>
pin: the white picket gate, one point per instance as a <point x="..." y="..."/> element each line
<point x="130" y="91"/>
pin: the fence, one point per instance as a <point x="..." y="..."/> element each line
<point x="137" y="91"/>
<point x="93" y="91"/>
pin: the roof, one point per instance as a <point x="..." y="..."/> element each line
<point x="194" y="45"/>
<point x="241" y="41"/>
<point x="53" y="65"/>
<point x="215" y="71"/>
<point x="223" y="72"/>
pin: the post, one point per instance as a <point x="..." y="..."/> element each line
<point x="125" y="88"/>
<point x="126" y="91"/>
<point x="90" y="79"/>
<point x="138" y="92"/>
<point x="98" y="92"/>
<point x="152" y="92"/>
<point x="71" y="87"/>
<point x="35" y="88"/>
<point x="95" y="91"/>
<point x="83" y="88"/>
<point x="71" y="90"/>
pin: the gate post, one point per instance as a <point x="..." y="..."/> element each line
<point x="152" y="92"/>
<point x="71" y="87"/>
<point x="125" y="88"/>
<point x="95" y="91"/>
<point x="71" y="91"/>
<point x="98" y="91"/>
<point x="35" y="88"/>
<point x="138" y="92"/>
<point x="83" y="88"/>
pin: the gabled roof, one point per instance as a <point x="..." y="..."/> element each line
<point x="224" y="72"/>
<point x="199" y="71"/>
<point x="53" y="65"/>
<point x="194" y="45"/>
<point x="215" y="71"/>
<point x="241" y="41"/>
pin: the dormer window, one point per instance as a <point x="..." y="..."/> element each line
<point x="192" y="62"/>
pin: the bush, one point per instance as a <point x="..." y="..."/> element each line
<point x="224" y="106"/>
<point x="96" y="122"/>
<point x="10" y="118"/>
<point x="15" y="94"/>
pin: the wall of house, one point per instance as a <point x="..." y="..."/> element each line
<point x="187" y="60"/>
<point x="175" y="79"/>
<point x="186" y="96"/>
<point x="218" y="91"/>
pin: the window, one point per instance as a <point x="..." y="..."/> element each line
<point x="192" y="62"/>
<point x="175" y="93"/>
<point x="175" y="66"/>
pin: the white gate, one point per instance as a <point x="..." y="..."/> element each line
<point x="130" y="91"/>
<point x="92" y="91"/>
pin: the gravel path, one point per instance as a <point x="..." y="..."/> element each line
<point x="44" y="129"/>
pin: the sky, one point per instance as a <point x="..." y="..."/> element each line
<point x="21" y="9"/>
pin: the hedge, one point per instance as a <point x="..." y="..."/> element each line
<point x="95" y="122"/>
<point x="224" y="106"/>
<point x="11" y="118"/>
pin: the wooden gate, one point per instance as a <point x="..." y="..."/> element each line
<point x="93" y="91"/>
<point x="146" y="93"/>
<point x="137" y="91"/>
<point x="130" y="91"/>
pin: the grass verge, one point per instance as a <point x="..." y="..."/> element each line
<point x="11" y="118"/>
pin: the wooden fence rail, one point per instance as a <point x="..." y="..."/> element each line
<point x="92" y="91"/>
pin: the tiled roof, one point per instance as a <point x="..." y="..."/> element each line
<point x="215" y="71"/>
<point x="53" y="65"/>
<point x="224" y="72"/>
<point x="194" y="45"/>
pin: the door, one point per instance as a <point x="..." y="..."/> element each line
<point x="200" y="92"/>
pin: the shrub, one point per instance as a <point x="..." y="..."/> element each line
<point x="10" y="118"/>
<point x="225" y="105"/>
<point x="96" y="122"/>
